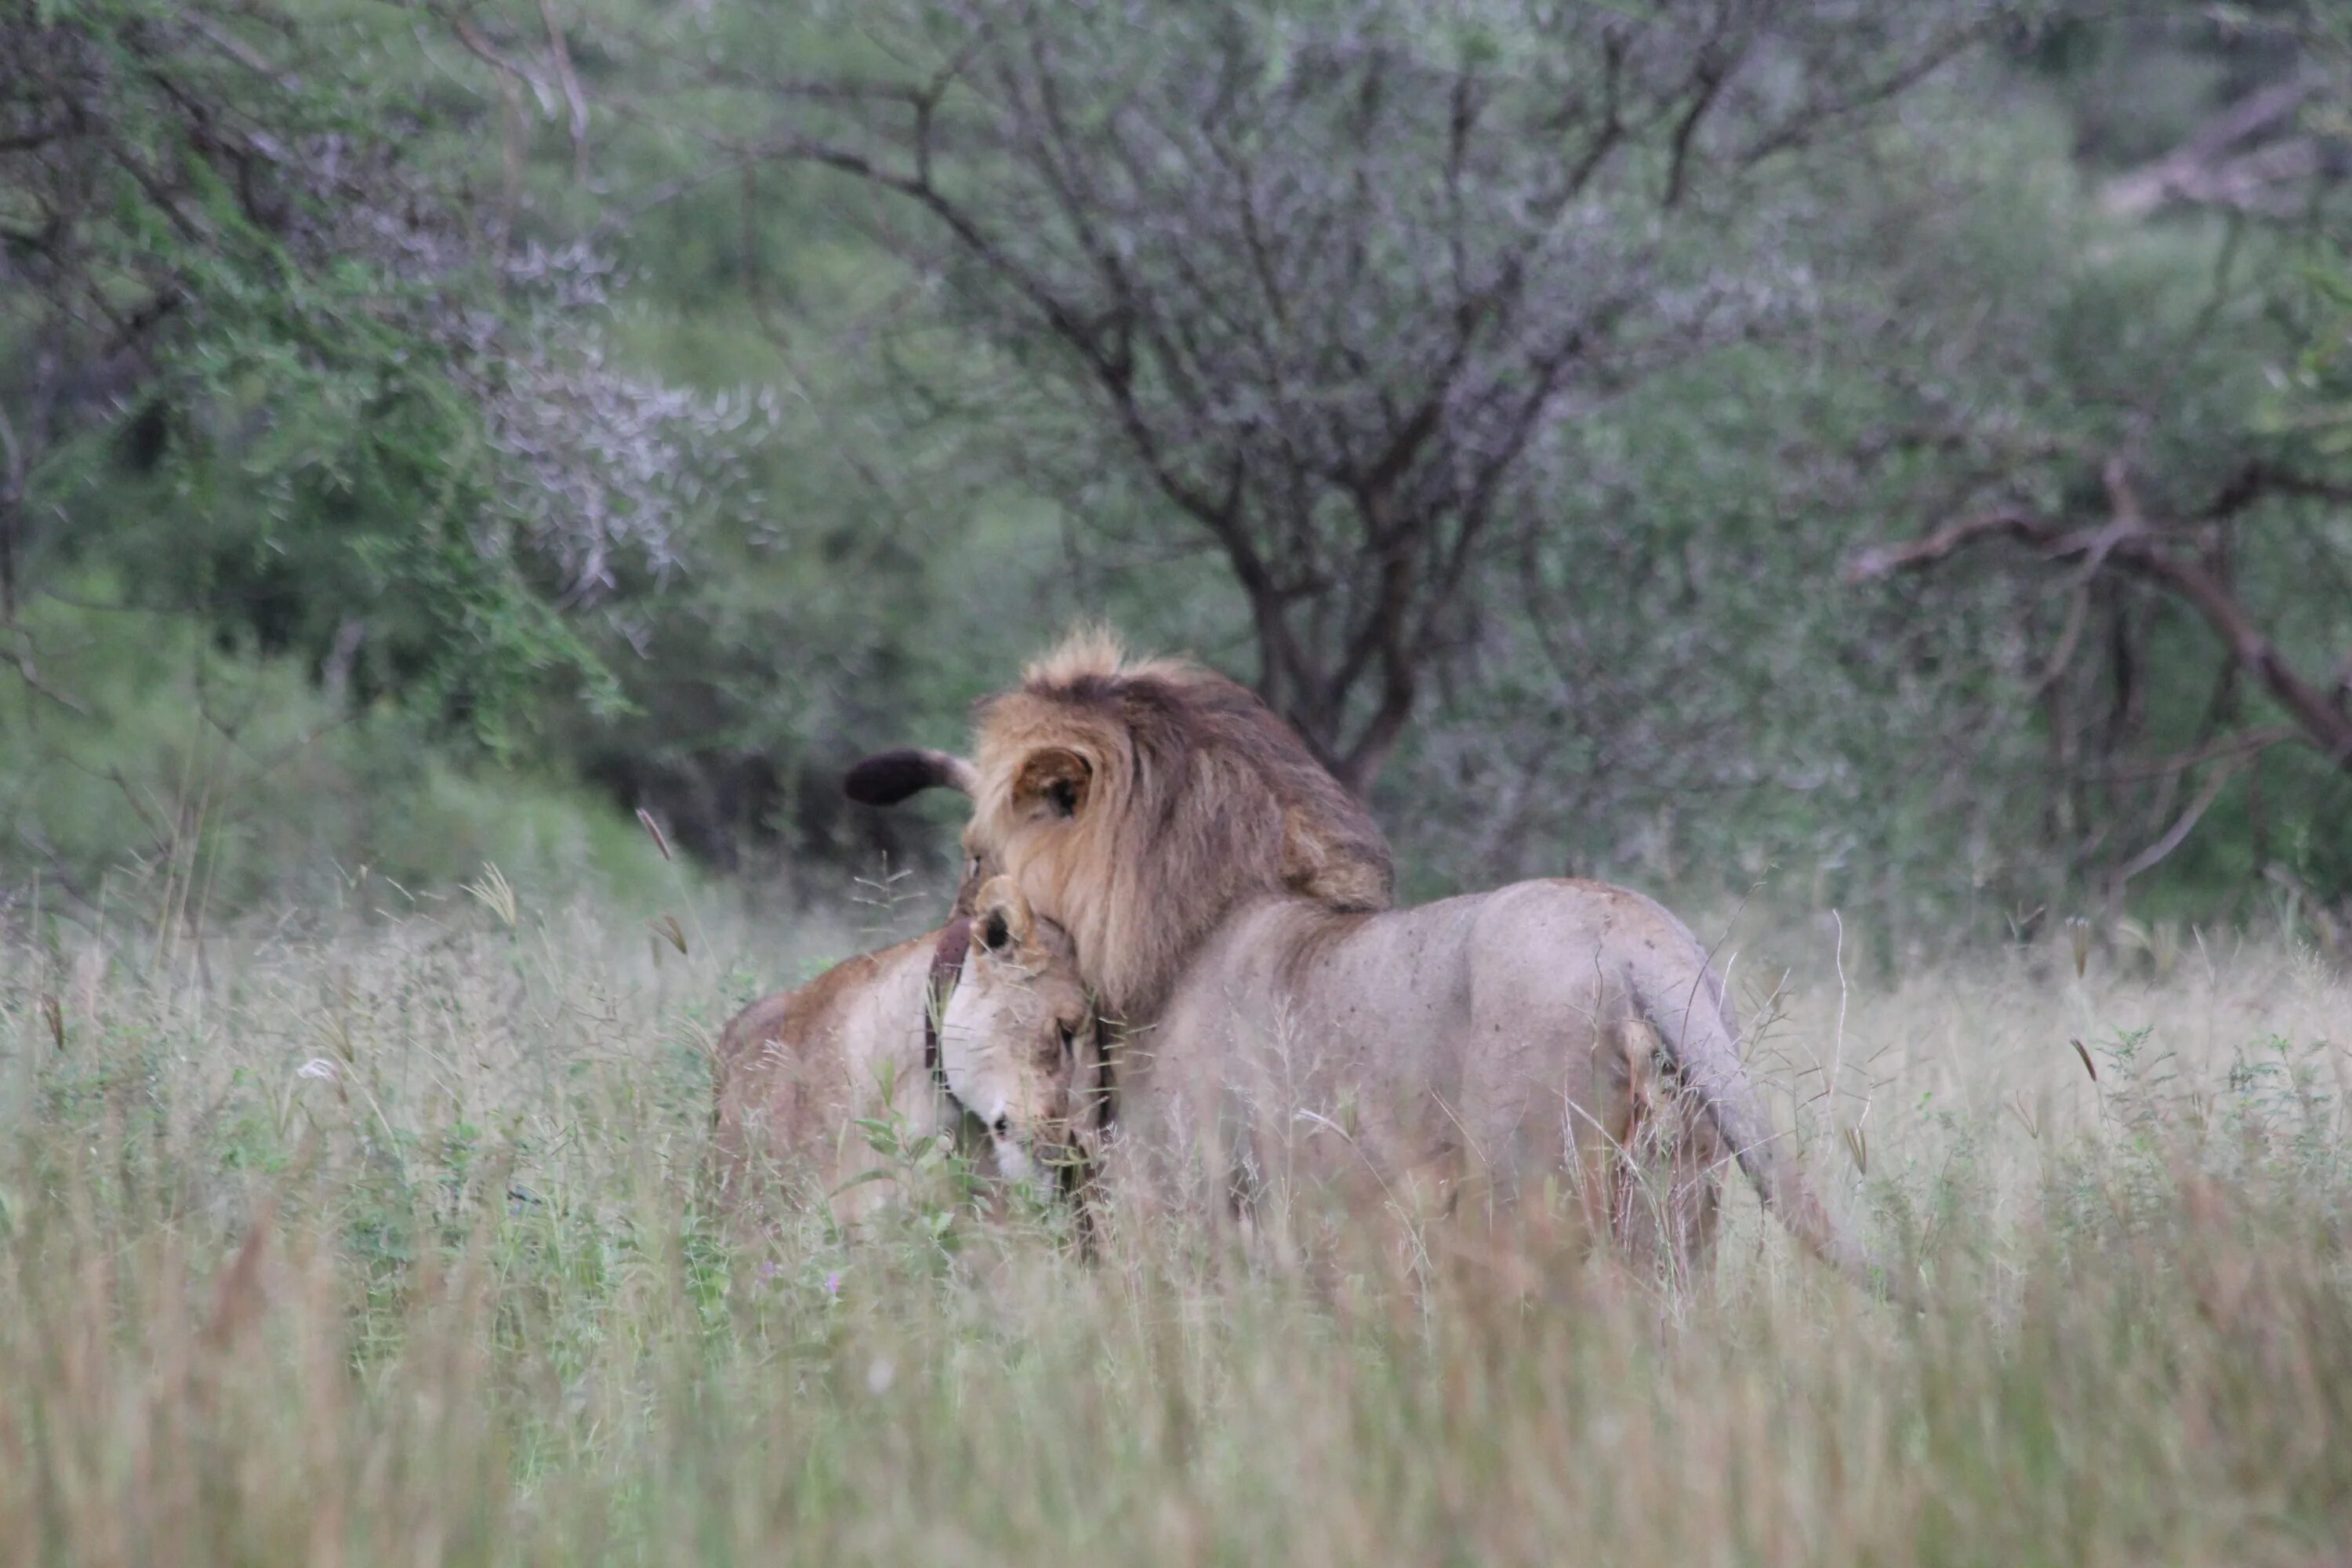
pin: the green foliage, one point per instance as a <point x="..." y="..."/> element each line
<point x="215" y="779"/>
<point x="377" y="401"/>
<point x="1670" y="685"/>
<point x="313" y="415"/>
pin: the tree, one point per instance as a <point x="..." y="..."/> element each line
<point x="2158" y="514"/>
<point x="1323" y="276"/>
<point x="2189" y="557"/>
<point x="261" y="359"/>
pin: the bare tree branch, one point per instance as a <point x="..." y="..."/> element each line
<point x="2235" y="746"/>
<point x="2203" y="170"/>
<point x="1324" y="285"/>
<point x="2129" y="542"/>
<point x="2178" y="834"/>
<point x="574" y="100"/>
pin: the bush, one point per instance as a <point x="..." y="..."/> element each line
<point x="154" y="767"/>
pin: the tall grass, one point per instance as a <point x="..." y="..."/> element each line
<point x="384" y="1247"/>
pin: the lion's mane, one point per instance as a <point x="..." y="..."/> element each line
<point x="1195" y="797"/>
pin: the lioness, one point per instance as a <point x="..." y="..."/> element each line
<point x="1021" y="1055"/>
<point x="796" y="1071"/>
<point x="1228" y="907"/>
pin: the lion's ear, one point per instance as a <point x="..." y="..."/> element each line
<point x="1056" y="777"/>
<point x="886" y="778"/>
<point x="1001" y="919"/>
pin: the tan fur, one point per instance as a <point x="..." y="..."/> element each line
<point x="1663" y="1196"/>
<point x="794" y="1070"/>
<point x="1422" y="1058"/>
<point x="1491" y="1029"/>
<point x="1457" y="1052"/>
<point x="1138" y="801"/>
<point x="1020" y="1053"/>
<point x="1230" y="900"/>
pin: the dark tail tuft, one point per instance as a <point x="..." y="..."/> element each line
<point x="886" y="778"/>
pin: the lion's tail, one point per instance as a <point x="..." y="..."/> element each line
<point x="1703" y="1046"/>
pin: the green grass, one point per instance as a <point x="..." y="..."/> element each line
<point x="382" y="1246"/>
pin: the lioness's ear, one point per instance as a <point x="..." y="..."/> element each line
<point x="1001" y="917"/>
<point x="886" y="778"/>
<point x="1058" y="777"/>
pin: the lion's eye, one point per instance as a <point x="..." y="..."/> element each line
<point x="1062" y="795"/>
<point x="1069" y="1042"/>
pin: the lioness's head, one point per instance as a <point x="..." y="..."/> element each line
<point x="1017" y="1043"/>
<point x="1136" y="802"/>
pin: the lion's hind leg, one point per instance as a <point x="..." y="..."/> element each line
<point x="1652" y="1163"/>
<point x="1674" y="1167"/>
<point x="1612" y="1124"/>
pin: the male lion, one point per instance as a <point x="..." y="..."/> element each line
<point x="796" y="1071"/>
<point x="1270" y="1104"/>
<point x="1227" y="897"/>
<point x="1136" y="802"/>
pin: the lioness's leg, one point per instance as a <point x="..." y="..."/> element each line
<point x="1672" y="1175"/>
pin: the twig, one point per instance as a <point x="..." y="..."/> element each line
<point x="2201" y="170"/>
<point x="2331" y="930"/>
<point x="484" y="50"/>
<point x="2229" y="746"/>
<point x="2131" y="542"/>
<point x="2155" y="853"/>
<point x="573" y="96"/>
<point x="23" y="662"/>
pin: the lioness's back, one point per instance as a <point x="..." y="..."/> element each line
<point x="791" y="1069"/>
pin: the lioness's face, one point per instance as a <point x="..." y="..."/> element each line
<point x="1016" y="1039"/>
